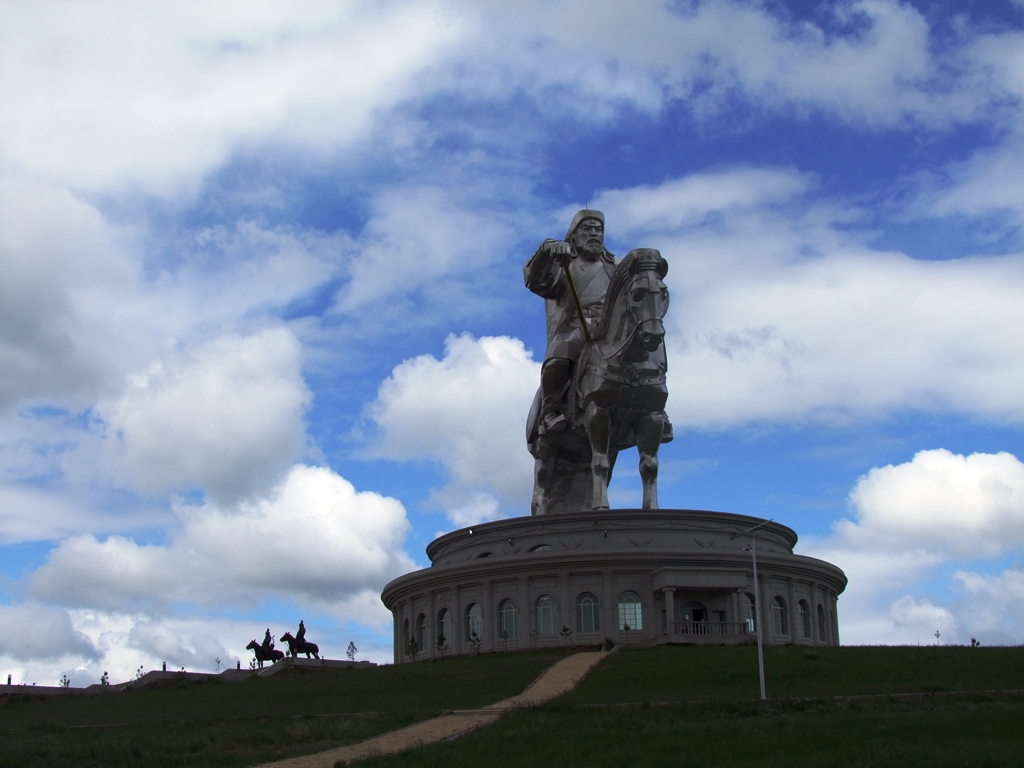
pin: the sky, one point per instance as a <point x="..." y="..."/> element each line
<point x="264" y="335"/>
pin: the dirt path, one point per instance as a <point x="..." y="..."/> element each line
<point x="560" y="678"/>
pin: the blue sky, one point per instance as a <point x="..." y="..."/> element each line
<point x="263" y="332"/>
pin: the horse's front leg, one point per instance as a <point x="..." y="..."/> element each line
<point x="598" y="422"/>
<point x="543" y="476"/>
<point x="648" y="441"/>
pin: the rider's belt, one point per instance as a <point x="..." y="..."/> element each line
<point x="593" y="311"/>
<point x="633" y="377"/>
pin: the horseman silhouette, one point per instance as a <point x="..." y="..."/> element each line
<point x="296" y="646"/>
<point x="263" y="654"/>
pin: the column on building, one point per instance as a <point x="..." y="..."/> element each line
<point x="735" y="616"/>
<point x="458" y="622"/>
<point x="564" y="604"/>
<point x="432" y="626"/>
<point x="826" y="602"/>
<point x="609" y="617"/>
<point x="835" y="619"/>
<point x="490" y="620"/>
<point x="670" y="609"/>
<point x="397" y="613"/>
<point x="525" y="617"/>
<point x="815" y="635"/>
<point x="794" y="613"/>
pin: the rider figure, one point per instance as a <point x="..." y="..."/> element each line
<point x="300" y="636"/>
<point x="268" y="641"/>
<point x="591" y="267"/>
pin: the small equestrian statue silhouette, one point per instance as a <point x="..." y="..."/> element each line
<point x="298" y="644"/>
<point x="265" y="651"/>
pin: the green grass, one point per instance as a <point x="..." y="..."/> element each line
<point x="687" y="673"/>
<point x="616" y="717"/>
<point x="970" y="730"/>
<point x="260" y="719"/>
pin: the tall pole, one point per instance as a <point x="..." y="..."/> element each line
<point x="758" y="613"/>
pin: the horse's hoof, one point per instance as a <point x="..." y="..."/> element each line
<point x="597" y="508"/>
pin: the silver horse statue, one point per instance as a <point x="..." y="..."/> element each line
<point x="616" y="399"/>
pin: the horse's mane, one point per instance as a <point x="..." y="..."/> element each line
<point x="636" y="260"/>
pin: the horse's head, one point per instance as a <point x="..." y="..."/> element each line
<point x="252" y="646"/>
<point x="645" y="296"/>
<point x="287" y="637"/>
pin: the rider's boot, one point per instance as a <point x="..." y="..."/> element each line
<point x="554" y="379"/>
<point x="667" y="433"/>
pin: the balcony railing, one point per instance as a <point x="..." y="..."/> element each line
<point x="711" y="628"/>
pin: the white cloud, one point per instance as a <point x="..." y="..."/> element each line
<point x="225" y="416"/>
<point x="988" y="183"/>
<point x="120" y="643"/>
<point x="992" y="604"/>
<point x="33" y="514"/>
<point x="467" y="412"/>
<point x="125" y="94"/>
<point x="122" y="96"/>
<point x="961" y="506"/>
<point x="1009" y="585"/>
<point x="314" y="539"/>
<point x="780" y="315"/>
<point x="55" y="250"/>
<point x="879" y="71"/>
<point x="424" y="245"/>
<point x="159" y="641"/>
<point x="921" y="616"/>
<point x="30" y="631"/>
<point x="938" y="509"/>
<point x="689" y="201"/>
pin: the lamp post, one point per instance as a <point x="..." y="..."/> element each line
<point x="758" y="613"/>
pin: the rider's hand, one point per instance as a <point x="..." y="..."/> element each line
<point x="558" y="248"/>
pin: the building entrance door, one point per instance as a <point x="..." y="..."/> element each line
<point x="694" y="611"/>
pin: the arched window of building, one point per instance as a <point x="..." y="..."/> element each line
<point x="630" y="614"/>
<point x="821" y="624"/>
<point x="545" y="615"/>
<point x="405" y="637"/>
<point x="474" y="622"/>
<point x="805" y="618"/>
<point x="779" y="617"/>
<point x="444" y="627"/>
<point x="507" y="624"/>
<point x="587" y="619"/>
<point x="421" y="633"/>
<point x="541" y="548"/>
<point x="750" y="612"/>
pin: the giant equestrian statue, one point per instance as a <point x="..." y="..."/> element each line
<point x="583" y="573"/>
<point x="602" y="384"/>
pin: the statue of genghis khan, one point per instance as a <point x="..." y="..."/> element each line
<point x="573" y="276"/>
<point x="590" y="268"/>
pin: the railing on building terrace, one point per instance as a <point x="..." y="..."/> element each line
<point x="712" y="628"/>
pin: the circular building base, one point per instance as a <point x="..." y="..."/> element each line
<point x="634" y="576"/>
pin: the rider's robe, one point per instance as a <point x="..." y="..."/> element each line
<point x="591" y="278"/>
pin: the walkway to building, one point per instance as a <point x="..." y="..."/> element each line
<point x="560" y="678"/>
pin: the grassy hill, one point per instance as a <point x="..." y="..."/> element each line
<point x="663" y="706"/>
<point x="244" y="723"/>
